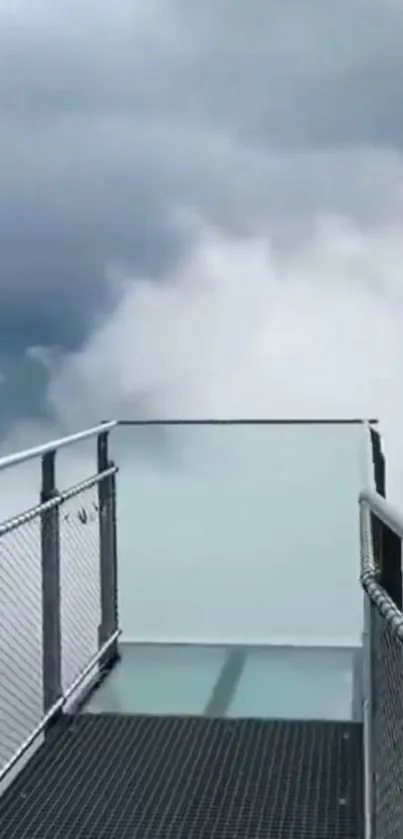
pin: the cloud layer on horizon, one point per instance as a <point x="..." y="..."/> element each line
<point x="135" y="135"/>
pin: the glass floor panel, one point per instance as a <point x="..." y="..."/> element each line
<point x="319" y="683"/>
<point x="299" y="683"/>
<point x="160" y="679"/>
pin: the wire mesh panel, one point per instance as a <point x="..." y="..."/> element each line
<point x="21" y="683"/>
<point x="381" y="577"/>
<point x="387" y="727"/>
<point x="58" y="600"/>
<point x="80" y="582"/>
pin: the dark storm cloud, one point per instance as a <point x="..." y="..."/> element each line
<point x="300" y="74"/>
<point x="113" y="116"/>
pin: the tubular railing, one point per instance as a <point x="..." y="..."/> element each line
<point x="381" y="577"/>
<point x="58" y="596"/>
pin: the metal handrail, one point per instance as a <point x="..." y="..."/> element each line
<point x="14" y="522"/>
<point x="384" y="510"/>
<point x="373" y="502"/>
<point x="54" y="445"/>
<point x="244" y="421"/>
<point x="59" y="705"/>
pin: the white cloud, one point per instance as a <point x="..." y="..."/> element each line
<point x="242" y="329"/>
<point x="299" y="316"/>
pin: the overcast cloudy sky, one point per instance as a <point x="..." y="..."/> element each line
<point x="200" y="207"/>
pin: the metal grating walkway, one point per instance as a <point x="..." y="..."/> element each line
<point x="138" y="777"/>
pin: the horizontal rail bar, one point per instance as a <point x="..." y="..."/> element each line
<point x="247" y="421"/>
<point x="369" y="574"/>
<point x="311" y="642"/>
<point x="54" y="445"/>
<point x="59" y="705"/>
<point x="28" y="515"/>
<point x="385" y="511"/>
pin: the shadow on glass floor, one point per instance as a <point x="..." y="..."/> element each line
<point x="319" y="683"/>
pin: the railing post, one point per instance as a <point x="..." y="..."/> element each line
<point x="108" y="553"/>
<point x="50" y="560"/>
<point x="387" y="545"/>
<point x="390" y="577"/>
<point x="374" y="641"/>
<point x="378" y="459"/>
<point x="387" y="675"/>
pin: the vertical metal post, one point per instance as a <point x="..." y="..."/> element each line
<point x="388" y="562"/>
<point x="50" y="558"/>
<point x="378" y="459"/>
<point x="387" y="546"/>
<point x="367" y="520"/>
<point x="374" y="688"/>
<point x="108" y="552"/>
<point x="368" y="724"/>
<point x="391" y="564"/>
<point x="113" y="514"/>
<point x="391" y="667"/>
<point x="387" y="679"/>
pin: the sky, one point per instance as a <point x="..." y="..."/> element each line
<point x="201" y="210"/>
<point x="201" y="215"/>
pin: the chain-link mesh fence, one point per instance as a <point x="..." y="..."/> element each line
<point x="380" y="551"/>
<point x="57" y="572"/>
<point x="79" y="582"/>
<point x="387" y="727"/>
<point x="21" y="683"/>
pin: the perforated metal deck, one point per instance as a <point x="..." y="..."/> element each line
<point x="138" y="777"/>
